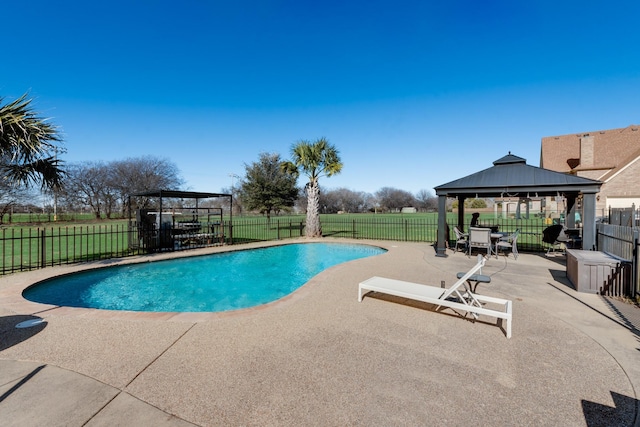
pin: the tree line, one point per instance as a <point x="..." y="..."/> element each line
<point x="30" y="146"/>
<point x="102" y="188"/>
<point x="268" y="188"/>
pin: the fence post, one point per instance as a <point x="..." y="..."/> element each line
<point x="278" y="229"/>
<point x="353" y="228"/>
<point x="406" y="230"/>
<point x="43" y="249"/>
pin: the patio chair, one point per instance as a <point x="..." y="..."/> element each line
<point x="458" y="297"/>
<point x="509" y="242"/>
<point x="461" y="239"/>
<point x="474" y="280"/>
<point x="479" y="238"/>
<point x="555" y="237"/>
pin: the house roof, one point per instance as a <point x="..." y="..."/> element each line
<point x="632" y="158"/>
<point x="511" y="176"/>
<point x="613" y="148"/>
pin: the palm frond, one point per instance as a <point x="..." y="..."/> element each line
<point x="27" y="143"/>
<point x="47" y="171"/>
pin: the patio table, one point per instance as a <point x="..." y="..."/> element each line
<point x="495" y="238"/>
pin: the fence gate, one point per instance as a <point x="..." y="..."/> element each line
<point x="621" y="242"/>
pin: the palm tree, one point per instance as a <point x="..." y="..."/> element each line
<point x="314" y="159"/>
<point x="28" y="146"/>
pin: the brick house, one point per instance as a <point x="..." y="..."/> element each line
<point x="611" y="156"/>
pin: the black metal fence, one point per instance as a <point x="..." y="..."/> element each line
<point x="246" y="230"/>
<point x="32" y="248"/>
<point x="419" y="229"/>
<point x="38" y="247"/>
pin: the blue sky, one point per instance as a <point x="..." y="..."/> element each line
<point x="414" y="94"/>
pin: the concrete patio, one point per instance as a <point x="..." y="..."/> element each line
<point x="318" y="357"/>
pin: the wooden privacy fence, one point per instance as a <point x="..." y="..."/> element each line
<point x="620" y="242"/>
<point x="624" y="216"/>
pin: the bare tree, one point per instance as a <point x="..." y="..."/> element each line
<point x="11" y="196"/>
<point x="393" y="199"/>
<point x="105" y="187"/>
<point x="236" y="200"/>
<point x="141" y="174"/>
<point x="85" y="186"/>
<point x="426" y="201"/>
<point x="345" y="200"/>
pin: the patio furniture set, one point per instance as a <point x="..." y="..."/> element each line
<point x="487" y="239"/>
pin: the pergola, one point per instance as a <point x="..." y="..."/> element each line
<point x="177" y="194"/>
<point x="511" y="176"/>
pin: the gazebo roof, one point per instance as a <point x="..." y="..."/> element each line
<point x="511" y="176"/>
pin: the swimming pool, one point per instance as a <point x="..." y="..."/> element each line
<point x="210" y="283"/>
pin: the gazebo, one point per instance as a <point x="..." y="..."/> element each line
<point x="511" y="176"/>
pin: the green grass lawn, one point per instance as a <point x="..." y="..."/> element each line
<point x="67" y="242"/>
<point x="23" y="245"/>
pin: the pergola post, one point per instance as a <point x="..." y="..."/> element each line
<point x="160" y="237"/>
<point x="230" y="219"/>
<point x="441" y="247"/>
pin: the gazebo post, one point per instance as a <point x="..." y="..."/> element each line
<point x="461" y="200"/>
<point x="570" y="217"/>
<point x="589" y="221"/>
<point x="441" y="248"/>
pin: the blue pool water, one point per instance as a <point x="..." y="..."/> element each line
<point x="218" y="282"/>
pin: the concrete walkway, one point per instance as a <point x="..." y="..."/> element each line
<point x="319" y="357"/>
